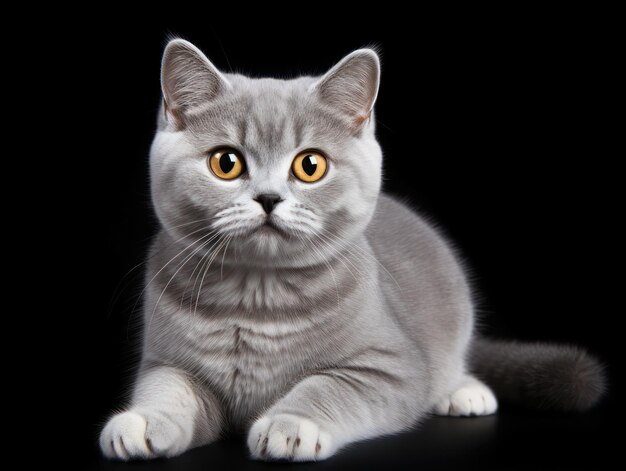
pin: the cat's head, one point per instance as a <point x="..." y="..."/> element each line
<point x="284" y="170"/>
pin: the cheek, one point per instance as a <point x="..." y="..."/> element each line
<point x="347" y="201"/>
<point x="338" y="190"/>
<point x="188" y="191"/>
<point x="199" y="187"/>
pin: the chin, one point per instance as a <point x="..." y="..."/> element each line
<point x="266" y="242"/>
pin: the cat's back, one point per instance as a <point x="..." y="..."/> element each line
<point x="405" y="240"/>
<point x="421" y="277"/>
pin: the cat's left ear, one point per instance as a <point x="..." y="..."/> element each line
<point x="351" y="86"/>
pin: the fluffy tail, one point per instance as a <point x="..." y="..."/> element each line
<point x="539" y="375"/>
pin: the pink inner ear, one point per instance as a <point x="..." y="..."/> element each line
<point x="360" y="120"/>
<point x="175" y="113"/>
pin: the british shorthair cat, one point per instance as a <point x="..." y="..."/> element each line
<point x="287" y="297"/>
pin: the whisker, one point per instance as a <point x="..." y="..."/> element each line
<point x="368" y="256"/>
<point x="220" y="242"/>
<point x="201" y="264"/>
<point x="117" y="292"/>
<point x="224" y="256"/>
<point x="172" y="278"/>
<point x="341" y="256"/>
<point x="206" y="257"/>
<point x="190" y="223"/>
<point x="182" y="299"/>
<point x="165" y="266"/>
<point x="317" y="236"/>
<point x="332" y="272"/>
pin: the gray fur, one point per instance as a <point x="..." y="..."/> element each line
<point x="354" y="321"/>
<point x="539" y="375"/>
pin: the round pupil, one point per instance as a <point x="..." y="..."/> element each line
<point x="309" y="165"/>
<point x="227" y="162"/>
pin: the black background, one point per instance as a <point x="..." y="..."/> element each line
<point x="497" y="130"/>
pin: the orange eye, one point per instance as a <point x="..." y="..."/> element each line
<point x="226" y="164"/>
<point x="309" y="166"/>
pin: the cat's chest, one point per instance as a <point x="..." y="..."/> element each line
<point x="253" y="291"/>
<point x="248" y="361"/>
<point x="250" y="335"/>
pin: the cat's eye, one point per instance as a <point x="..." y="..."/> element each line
<point x="226" y="164"/>
<point x="309" y="166"/>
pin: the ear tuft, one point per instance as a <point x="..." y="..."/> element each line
<point x="188" y="79"/>
<point x="351" y="86"/>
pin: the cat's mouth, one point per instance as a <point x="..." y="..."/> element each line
<point x="269" y="227"/>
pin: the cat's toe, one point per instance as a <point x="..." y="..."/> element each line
<point x="165" y="438"/>
<point x="288" y="437"/>
<point x="132" y="435"/>
<point x="470" y="400"/>
<point x="123" y="437"/>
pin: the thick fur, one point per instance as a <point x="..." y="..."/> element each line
<point x="349" y="317"/>
<point x="539" y="375"/>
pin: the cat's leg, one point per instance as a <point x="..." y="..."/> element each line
<point x="168" y="415"/>
<point x="470" y="398"/>
<point x="335" y="407"/>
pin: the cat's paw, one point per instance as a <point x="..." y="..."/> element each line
<point x="131" y="435"/>
<point x="289" y="437"/>
<point x="471" y="399"/>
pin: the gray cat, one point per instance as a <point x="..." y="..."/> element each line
<point x="288" y="298"/>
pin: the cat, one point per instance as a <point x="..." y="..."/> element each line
<point x="287" y="298"/>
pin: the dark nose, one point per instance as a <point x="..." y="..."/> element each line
<point x="268" y="201"/>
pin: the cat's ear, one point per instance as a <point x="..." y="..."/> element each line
<point x="188" y="80"/>
<point x="351" y="86"/>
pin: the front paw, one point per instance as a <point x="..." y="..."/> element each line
<point x="132" y="435"/>
<point x="289" y="437"/>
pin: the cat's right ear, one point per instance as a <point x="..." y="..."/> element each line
<point x="351" y="86"/>
<point x="188" y="81"/>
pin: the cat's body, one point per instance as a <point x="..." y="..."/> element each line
<point x="347" y="317"/>
<point x="256" y="344"/>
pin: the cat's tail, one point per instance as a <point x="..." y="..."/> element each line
<point x="539" y="375"/>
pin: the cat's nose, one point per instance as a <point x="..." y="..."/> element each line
<point x="268" y="201"/>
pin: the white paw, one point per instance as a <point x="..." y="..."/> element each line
<point x="289" y="437"/>
<point x="471" y="399"/>
<point x="129" y="435"/>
